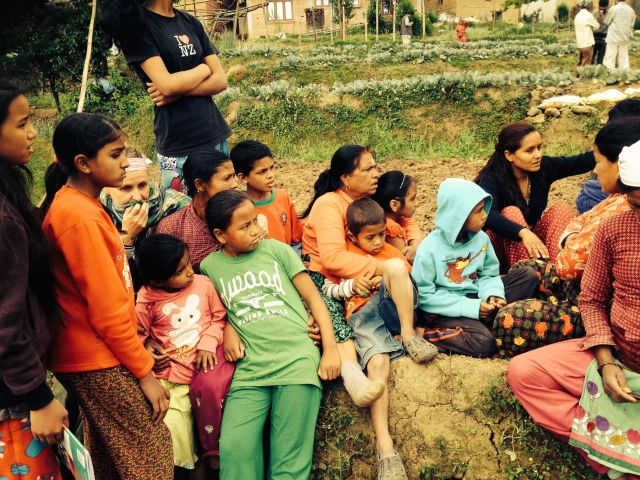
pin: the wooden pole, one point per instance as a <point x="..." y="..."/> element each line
<point x="393" y="19"/>
<point x="300" y="33"/>
<point x="266" y="23"/>
<point x="331" y="22"/>
<point x="366" y="28"/>
<point x="493" y="4"/>
<point x="87" y="58"/>
<point x="424" y="20"/>
<point x="313" y="20"/>
<point x="344" y="21"/>
<point x="235" y="21"/>
<point x="340" y="18"/>
<point x="377" y="19"/>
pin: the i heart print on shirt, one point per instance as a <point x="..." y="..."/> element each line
<point x="186" y="47"/>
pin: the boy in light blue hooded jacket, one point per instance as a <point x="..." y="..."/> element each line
<point x="458" y="273"/>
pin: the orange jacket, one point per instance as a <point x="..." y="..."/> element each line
<point x="324" y="238"/>
<point x="94" y="290"/>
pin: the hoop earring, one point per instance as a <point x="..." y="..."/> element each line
<point x="348" y="187"/>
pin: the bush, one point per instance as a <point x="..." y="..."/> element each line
<point x="636" y="26"/>
<point x="125" y="100"/>
<point x="404" y="7"/>
<point x="562" y="12"/>
<point x="432" y="16"/>
<point x="383" y="25"/>
<point x="533" y="17"/>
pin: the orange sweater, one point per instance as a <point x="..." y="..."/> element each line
<point x="94" y="290"/>
<point x="324" y="238"/>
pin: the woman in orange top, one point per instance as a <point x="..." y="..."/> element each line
<point x="577" y="239"/>
<point x="461" y="31"/>
<point x="96" y="354"/>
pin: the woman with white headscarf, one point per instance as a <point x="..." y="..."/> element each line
<point x="140" y="203"/>
<point x="585" y="391"/>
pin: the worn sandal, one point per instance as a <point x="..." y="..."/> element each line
<point x="420" y="350"/>
<point x="391" y="468"/>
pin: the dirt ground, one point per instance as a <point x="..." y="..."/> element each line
<point x="297" y="180"/>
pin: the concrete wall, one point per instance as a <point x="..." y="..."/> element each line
<point x="548" y="9"/>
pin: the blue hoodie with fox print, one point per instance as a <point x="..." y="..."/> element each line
<point x="453" y="277"/>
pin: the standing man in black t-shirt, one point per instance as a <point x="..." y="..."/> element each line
<point x="179" y="67"/>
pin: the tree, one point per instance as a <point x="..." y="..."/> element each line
<point x="383" y="25"/>
<point x="406" y="6"/>
<point x="348" y="10"/>
<point x="518" y="4"/>
<point x="52" y="45"/>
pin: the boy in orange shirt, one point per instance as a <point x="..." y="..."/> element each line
<point x="253" y="163"/>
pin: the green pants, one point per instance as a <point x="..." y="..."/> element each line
<point x="294" y="411"/>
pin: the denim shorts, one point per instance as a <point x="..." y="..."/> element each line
<point x="376" y="323"/>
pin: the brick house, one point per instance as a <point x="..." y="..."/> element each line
<point x="293" y="16"/>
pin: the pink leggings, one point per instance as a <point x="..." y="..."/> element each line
<point x="548" y="229"/>
<point x="548" y="383"/>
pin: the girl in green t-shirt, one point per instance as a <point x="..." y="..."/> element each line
<point x="260" y="283"/>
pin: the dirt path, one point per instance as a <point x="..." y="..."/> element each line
<point x="297" y="179"/>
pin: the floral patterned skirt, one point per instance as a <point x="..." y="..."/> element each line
<point x="608" y="432"/>
<point x="342" y="330"/>
<point x="553" y="316"/>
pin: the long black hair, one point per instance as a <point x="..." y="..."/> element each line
<point x="392" y="185"/>
<point x="122" y="20"/>
<point x="343" y="162"/>
<point x="78" y="134"/>
<point x="158" y="257"/>
<point x="509" y="139"/>
<point x="616" y="135"/>
<point x="202" y="164"/>
<point x="15" y="182"/>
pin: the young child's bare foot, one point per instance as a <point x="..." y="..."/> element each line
<point x="362" y="391"/>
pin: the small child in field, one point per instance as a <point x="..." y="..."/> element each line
<point x="396" y="194"/>
<point x="279" y="367"/>
<point x="382" y="311"/>
<point x="253" y="163"/>
<point x="458" y="273"/>
<point x="185" y="320"/>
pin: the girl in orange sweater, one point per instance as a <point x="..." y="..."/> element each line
<point x="96" y="354"/>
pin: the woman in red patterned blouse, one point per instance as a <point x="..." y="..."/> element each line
<point x="206" y="173"/>
<point x="556" y="384"/>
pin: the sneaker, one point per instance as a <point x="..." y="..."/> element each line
<point x="420" y="350"/>
<point x="391" y="468"/>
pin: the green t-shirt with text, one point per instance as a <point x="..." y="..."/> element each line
<point x="267" y="311"/>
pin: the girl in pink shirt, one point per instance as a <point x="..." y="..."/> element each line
<point x="184" y="319"/>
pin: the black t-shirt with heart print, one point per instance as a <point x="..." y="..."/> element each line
<point x="190" y="122"/>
